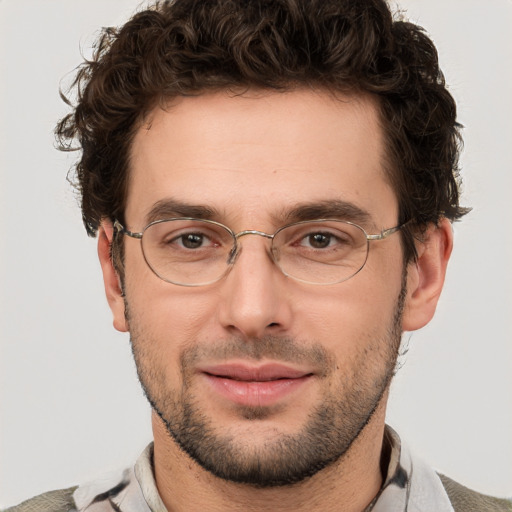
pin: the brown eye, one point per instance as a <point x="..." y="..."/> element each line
<point x="192" y="240"/>
<point x="319" y="240"/>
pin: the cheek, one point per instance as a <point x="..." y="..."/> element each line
<point x="171" y="317"/>
<point x="350" y="315"/>
<point x="162" y="325"/>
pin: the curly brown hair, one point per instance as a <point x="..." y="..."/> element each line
<point x="186" y="47"/>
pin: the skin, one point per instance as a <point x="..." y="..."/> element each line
<point x="251" y="158"/>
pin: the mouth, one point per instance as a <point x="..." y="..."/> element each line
<point x="255" y="386"/>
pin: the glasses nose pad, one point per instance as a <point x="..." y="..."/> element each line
<point x="233" y="254"/>
<point x="275" y="254"/>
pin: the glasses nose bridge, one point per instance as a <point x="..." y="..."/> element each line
<point x="237" y="248"/>
<point x="253" y="232"/>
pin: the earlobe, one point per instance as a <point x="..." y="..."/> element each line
<point x="111" y="279"/>
<point x="426" y="276"/>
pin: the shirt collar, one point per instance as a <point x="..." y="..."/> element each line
<point x="409" y="486"/>
<point x="144" y="471"/>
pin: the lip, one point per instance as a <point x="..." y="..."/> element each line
<point x="255" y="386"/>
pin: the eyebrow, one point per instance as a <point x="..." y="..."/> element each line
<point x="170" y="208"/>
<point x="328" y="209"/>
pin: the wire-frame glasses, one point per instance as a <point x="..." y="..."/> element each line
<point x="197" y="252"/>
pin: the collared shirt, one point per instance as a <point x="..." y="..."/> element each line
<point x="410" y="485"/>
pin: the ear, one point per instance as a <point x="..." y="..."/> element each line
<point x="111" y="278"/>
<point x="425" y="277"/>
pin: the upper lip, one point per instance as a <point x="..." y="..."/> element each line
<point x="261" y="373"/>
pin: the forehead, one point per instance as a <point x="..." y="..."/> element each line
<point x="259" y="154"/>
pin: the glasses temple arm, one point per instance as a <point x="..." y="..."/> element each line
<point x="122" y="229"/>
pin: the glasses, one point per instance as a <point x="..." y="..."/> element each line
<point x="195" y="252"/>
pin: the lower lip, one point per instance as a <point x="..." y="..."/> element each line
<point x="255" y="393"/>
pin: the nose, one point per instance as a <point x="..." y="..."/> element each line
<point x="255" y="297"/>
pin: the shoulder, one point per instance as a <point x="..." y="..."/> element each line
<point x="52" y="501"/>
<point x="103" y="494"/>
<point x="467" y="500"/>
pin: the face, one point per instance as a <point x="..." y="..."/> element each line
<point x="260" y="378"/>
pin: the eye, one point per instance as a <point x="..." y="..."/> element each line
<point x="187" y="237"/>
<point x="324" y="240"/>
<point x="191" y="240"/>
<point x="318" y="240"/>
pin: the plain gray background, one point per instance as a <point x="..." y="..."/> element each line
<point x="71" y="407"/>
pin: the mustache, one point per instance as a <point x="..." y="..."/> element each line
<point x="276" y="348"/>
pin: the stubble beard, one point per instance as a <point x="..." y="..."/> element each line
<point x="284" y="459"/>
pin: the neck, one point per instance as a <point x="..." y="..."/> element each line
<point x="353" y="481"/>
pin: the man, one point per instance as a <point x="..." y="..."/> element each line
<point x="289" y="173"/>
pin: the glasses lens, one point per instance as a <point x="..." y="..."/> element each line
<point x="187" y="252"/>
<point x="321" y="252"/>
